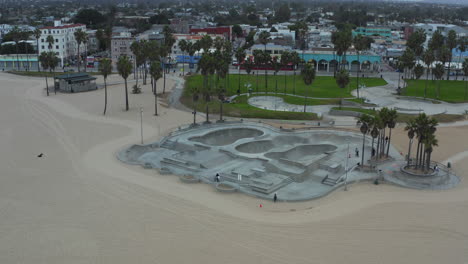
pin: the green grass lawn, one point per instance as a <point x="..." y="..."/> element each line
<point x="240" y="108"/>
<point x="322" y="87"/>
<point x="403" y="118"/>
<point x="450" y="91"/>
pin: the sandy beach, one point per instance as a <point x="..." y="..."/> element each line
<point x="79" y="204"/>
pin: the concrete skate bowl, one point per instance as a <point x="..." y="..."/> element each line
<point x="256" y="147"/>
<point x="290" y="140"/>
<point x="228" y="136"/>
<point x="303" y="152"/>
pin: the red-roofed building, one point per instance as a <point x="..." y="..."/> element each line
<point x="225" y="31"/>
<point x="65" y="45"/>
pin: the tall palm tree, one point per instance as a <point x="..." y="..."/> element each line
<point x="295" y="60"/>
<point x="50" y="42"/>
<point x="44" y="60"/>
<point x="366" y="122"/>
<point x="276" y="65"/>
<point x="105" y="67"/>
<point x="192" y="48"/>
<point x="156" y="74"/>
<point x="137" y="50"/>
<point x="85" y="44"/>
<point x="418" y="71"/>
<point x="183" y="45"/>
<point x="391" y="123"/>
<point x="37" y="34"/>
<point x="361" y="44"/>
<point x="194" y="90"/>
<point x="205" y="65"/>
<point x="308" y="76"/>
<point x="411" y="127"/>
<point x="124" y="67"/>
<point x="342" y="79"/>
<point x="16" y="36"/>
<point x="465" y="73"/>
<point x="53" y="63"/>
<point x="451" y="44"/>
<point x="240" y="56"/>
<point x="438" y="73"/>
<point x="285" y="60"/>
<point x="462" y="43"/>
<point x="429" y="142"/>
<point x="264" y="37"/>
<point x="257" y="54"/>
<point x="428" y="58"/>
<point x="80" y="36"/>
<point x="374" y="134"/>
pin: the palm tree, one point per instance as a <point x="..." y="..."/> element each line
<point x="418" y="71"/>
<point x="53" y="63"/>
<point x="80" y="36"/>
<point x="295" y="59"/>
<point x="285" y="60"/>
<point x="361" y="44"/>
<point x="308" y="76"/>
<point x="400" y="67"/>
<point x="124" y="67"/>
<point x="428" y="58"/>
<point x="429" y="142"/>
<point x="342" y="79"/>
<point x="276" y="64"/>
<point x="240" y="56"/>
<point x="451" y="44"/>
<point x="105" y="67"/>
<point x="411" y="127"/>
<point x="137" y="50"/>
<point x="257" y="54"/>
<point x="408" y="58"/>
<point x="462" y="43"/>
<point x="391" y="123"/>
<point x="374" y="133"/>
<point x="465" y="73"/>
<point x="37" y="34"/>
<point x="44" y="60"/>
<point x="342" y="40"/>
<point x="50" y="41"/>
<point x="439" y="73"/>
<point x="264" y="37"/>
<point x="16" y="35"/>
<point x="205" y="65"/>
<point x="156" y="74"/>
<point x="194" y="90"/>
<point x="183" y="45"/>
<point x="365" y="121"/>
<point x="85" y="43"/>
<point x="191" y="49"/>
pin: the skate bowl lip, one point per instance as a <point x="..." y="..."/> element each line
<point x="301" y="149"/>
<point x="226" y="136"/>
<point x="244" y="147"/>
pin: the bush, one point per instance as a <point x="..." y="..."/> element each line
<point x="136" y="89"/>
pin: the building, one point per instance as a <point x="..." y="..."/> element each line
<point x="75" y="82"/>
<point x="443" y="28"/>
<point x="225" y="31"/>
<point x="373" y="31"/>
<point x="120" y="45"/>
<point x="93" y="42"/>
<point x="26" y="61"/>
<point x="65" y="45"/>
<point x="325" y="59"/>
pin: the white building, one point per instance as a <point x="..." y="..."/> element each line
<point x="65" y="45"/>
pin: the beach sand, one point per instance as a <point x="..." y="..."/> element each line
<point x="79" y="204"/>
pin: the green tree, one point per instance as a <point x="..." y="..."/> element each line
<point x="44" y="60"/>
<point x="156" y="74"/>
<point x="391" y="123"/>
<point x="285" y="61"/>
<point x="342" y="79"/>
<point x="15" y="34"/>
<point x="416" y="42"/>
<point x="264" y="37"/>
<point x="240" y="56"/>
<point x="418" y="71"/>
<point x="276" y="65"/>
<point x="283" y="14"/>
<point x="462" y="43"/>
<point x="80" y="37"/>
<point x="50" y="41"/>
<point x="411" y="127"/>
<point x="37" y="34"/>
<point x="361" y="44"/>
<point x="295" y="60"/>
<point x="409" y="60"/>
<point x="237" y="31"/>
<point x="308" y="76"/>
<point x="451" y="44"/>
<point x="257" y="54"/>
<point x="366" y="123"/>
<point x="124" y="67"/>
<point x="428" y="58"/>
<point x="90" y="17"/>
<point x="438" y="72"/>
<point x="137" y="49"/>
<point x="105" y="68"/>
<point x="342" y="41"/>
<point x="183" y="45"/>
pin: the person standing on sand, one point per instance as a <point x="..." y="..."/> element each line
<point x="275" y="198"/>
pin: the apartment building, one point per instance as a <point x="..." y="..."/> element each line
<point x="120" y="45"/>
<point x="65" y="45"/>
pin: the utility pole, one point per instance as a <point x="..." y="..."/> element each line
<point x="346" y="169"/>
<point x="141" y="124"/>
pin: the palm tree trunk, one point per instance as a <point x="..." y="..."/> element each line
<point x="266" y="81"/>
<point x="294" y="81"/>
<point x="47" y="83"/>
<point x="373" y="139"/>
<point x="86" y="59"/>
<point x="409" y="152"/>
<point x="164" y="77"/>
<point x="427" y="80"/>
<point x="305" y="100"/>
<point x="428" y="161"/>
<point x="389" y="139"/>
<point x="105" y="96"/>
<point x="78" y="58"/>
<point x="357" y="75"/>
<point x="155" y="97"/>
<point x="220" y="110"/>
<point x="363" y="144"/>
<point x="37" y="47"/>
<point x="276" y="84"/>
<point x="379" y="139"/>
<point x="126" y="95"/>
<point x="285" y="81"/>
<point x="238" y="87"/>
<point x="257" y="81"/>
